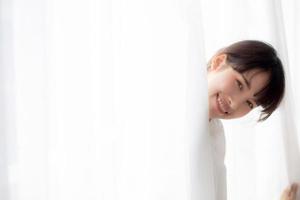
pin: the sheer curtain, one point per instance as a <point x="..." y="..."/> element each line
<point x="262" y="159"/>
<point x="107" y="100"/>
<point x="103" y="100"/>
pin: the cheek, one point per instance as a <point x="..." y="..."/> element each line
<point x="228" y="85"/>
<point x="241" y="111"/>
<point x="223" y="82"/>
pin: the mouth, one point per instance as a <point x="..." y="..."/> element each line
<point x="222" y="105"/>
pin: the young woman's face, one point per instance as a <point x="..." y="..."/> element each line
<point x="232" y="94"/>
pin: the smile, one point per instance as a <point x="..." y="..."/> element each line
<point x="222" y="105"/>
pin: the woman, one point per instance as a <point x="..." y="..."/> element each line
<point x="290" y="192"/>
<point x="242" y="77"/>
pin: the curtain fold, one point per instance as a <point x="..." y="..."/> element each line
<point x="262" y="159"/>
<point x="108" y="101"/>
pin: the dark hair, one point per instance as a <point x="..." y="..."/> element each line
<point x="252" y="54"/>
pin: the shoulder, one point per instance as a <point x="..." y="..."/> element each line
<point x="216" y="126"/>
<point x="216" y="131"/>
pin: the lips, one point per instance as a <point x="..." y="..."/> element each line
<point x="222" y="105"/>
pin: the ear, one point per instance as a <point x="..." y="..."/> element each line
<point x="218" y="61"/>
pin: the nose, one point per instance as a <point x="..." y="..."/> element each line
<point x="235" y="101"/>
<point x="228" y="103"/>
<point x="229" y="100"/>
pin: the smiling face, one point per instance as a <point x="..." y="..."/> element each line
<point x="232" y="94"/>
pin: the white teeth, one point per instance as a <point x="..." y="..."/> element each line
<point x="222" y="106"/>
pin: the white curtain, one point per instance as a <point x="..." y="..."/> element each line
<point x="107" y="100"/>
<point x="261" y="159"/>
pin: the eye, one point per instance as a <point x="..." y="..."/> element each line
<point x="240" y="85"/>
<point x="250" y="104"/>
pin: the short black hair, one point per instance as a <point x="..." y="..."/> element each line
<point x="253" y="54"/>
